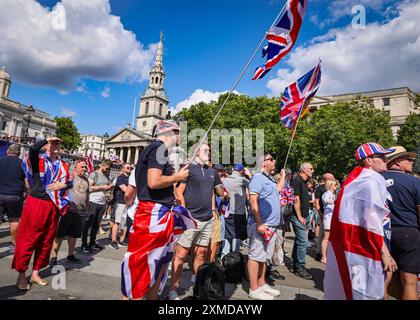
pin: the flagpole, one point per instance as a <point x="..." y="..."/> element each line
<point x="293" y="137"/>
<point x="134" y="112"/>
<point x="235" y="85"/>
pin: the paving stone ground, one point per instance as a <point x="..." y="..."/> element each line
<point x="98" y="277"/>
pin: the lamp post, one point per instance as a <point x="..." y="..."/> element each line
<point x="30" y="110"/>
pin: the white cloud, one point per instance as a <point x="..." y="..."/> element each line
<point x="199" y="95"/>
<point x="106" y="92"/>
<point x="378" y="57"/>
<point x="66" y="112"/>
<point x="76" y="39"/>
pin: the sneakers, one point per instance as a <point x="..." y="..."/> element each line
<point x="267" y="289"/>
<point x="101" y="231"/>
<point x="259" y="294"/>
<point x="96" y="247"/>
<point x="84" y="249"/>
<point x="173" y="295"/>
<point x="123" y="244"/>
<point x="73" y="259"/>
<point x="274" y="274"/>
<point x="53" y="261"/>
<point x="303" y="273"/>
<point x="114" y="245"/>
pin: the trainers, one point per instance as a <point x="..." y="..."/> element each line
<point x="96" y="247"/>
<point x="86" y="249"/>
<point x="173" y="295"/>
<point x="114" y="245"/>
<point x="274" y="274"/>
<point x="101" y="231"/>
<point x="259" y="295"/>
<point x="303" y="273"/>
<point x="267" y="289"/>
<point x="53" y="261"/>
<point x="73" y="259"/>
<point x="123" y="244"/>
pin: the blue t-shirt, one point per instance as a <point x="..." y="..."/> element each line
<point x="405" y="193"/>
<point x="268" y="199"/>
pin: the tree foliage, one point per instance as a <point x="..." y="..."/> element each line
<point x="327" y="138"/>
<point x="409" y="134"/>
<point x="67" y="131"/>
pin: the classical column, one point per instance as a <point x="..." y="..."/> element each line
<point x="121" y="153"/>
<point x="12" y="127"/>
<point x="136" y="156"/>
<point x="129" y="155"/>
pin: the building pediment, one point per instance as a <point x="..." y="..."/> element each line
<point x="127" y="135"/>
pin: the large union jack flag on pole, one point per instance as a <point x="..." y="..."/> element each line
<point x="297" y="96"/>
<point x="282" y="36"/>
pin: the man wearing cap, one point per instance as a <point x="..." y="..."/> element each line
<point x="150" y="249"/>
<point x="405" y="214"/>
<point x="49" y="179"/>
<point x="235" y="223"/>
<point x="358" y="254"/>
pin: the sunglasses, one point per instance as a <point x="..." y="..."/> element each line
<point x="379" y="156"/>
<point x="269" y="159"/>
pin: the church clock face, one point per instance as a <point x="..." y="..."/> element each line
<point x="144" y="123"/>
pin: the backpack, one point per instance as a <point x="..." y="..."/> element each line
<point x="234" y="267"/>
<point x="209" y="283"/>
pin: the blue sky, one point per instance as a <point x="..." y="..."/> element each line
<point x="206" y="45"/>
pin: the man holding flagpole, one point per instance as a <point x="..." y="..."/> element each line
<point x="357" y="255"/>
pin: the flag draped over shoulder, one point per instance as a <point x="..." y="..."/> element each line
<point x="297" y="96"/>
<point x="89" y="163"/>
<point x="354" y="269"/>
<point x="152" y="239"/>
<point x="282" y="37"/>
<point x="50" y="172"/>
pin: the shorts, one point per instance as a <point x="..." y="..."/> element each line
<point x="200" y="236"/>
<point x="259" y="249"/>
<point x="405" y="248"/>
<point x="70" y="225"/>
<point x="216" y="233"/>
<point x="120" y="213"/>
<point x="11" y="206"/>
<point x="327" y="222"/>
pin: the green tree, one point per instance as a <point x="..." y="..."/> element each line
<point x="409" y="134"/>
<point x="328" y="137"/>
<point x="67" y="131"/>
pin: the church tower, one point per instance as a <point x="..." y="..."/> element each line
<point x="154" y="102"/>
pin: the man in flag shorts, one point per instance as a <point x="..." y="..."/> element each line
<point x="49" y="179"/>
<point x="157" y="220"/>
<point x="358" y="256"/>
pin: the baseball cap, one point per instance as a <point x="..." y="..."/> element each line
<point x="238" y="167"/>
<point x="369" y="149"/>
<point x="166" y="126"/>
<point x="218" y="167"/>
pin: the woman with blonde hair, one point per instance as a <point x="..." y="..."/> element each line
<point x="328" y="200"/>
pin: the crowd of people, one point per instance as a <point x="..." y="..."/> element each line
<point x="206" y="211"/>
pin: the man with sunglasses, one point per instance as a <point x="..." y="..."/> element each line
<point x="405" y="214"/>
<point x="121" y="185"/>
<point x="262" y="225"/>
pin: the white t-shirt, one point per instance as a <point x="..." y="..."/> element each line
<point x="131" y="210"/>
<point x="328" y="199"/>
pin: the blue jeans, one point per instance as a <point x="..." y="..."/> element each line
<point x="301" y="241"/>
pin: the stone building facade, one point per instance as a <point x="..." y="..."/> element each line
<point x="19" y="120"/>
<point x="399" y="102"/>
<point x="92" y="143"/>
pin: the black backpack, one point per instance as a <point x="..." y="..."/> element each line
<point x="234" y="267"/>
<point x="209" y="283"/>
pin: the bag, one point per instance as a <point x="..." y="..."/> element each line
<point x="209" y="283"/>
<point x="234" y="267"/>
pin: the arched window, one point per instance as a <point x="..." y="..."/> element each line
<point x="156" y="80"/>
<point x="160" y="109"/>
<point x="147" y="108"/>
<point x="160" y="81"/>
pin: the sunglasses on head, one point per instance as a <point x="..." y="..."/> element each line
<point x="269" y="159"/>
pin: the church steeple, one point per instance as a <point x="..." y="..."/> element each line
<point x="154" y="102"/>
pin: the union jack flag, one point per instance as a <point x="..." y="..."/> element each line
<point x="298" y="95"/>
<point x="49" y="173"/>
<point x="151" y="247"/>
<point x="282" y="37"/>
<point x="89" y="163"/>
<point x="287" y="196"/>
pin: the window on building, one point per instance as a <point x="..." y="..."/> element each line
<point x="387" y="102"/>
<point x="4" y="126"/>
<point x="147" y="108"/>
<point x="160" y="81"/>
<point x="160" y="109"/>
<point x="156" y="80"/>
